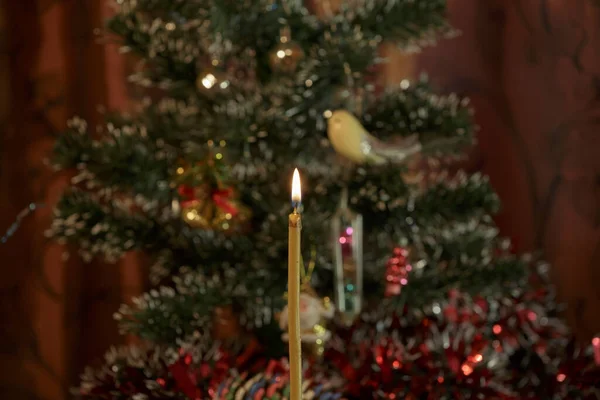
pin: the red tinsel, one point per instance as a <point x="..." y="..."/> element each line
<point x="386" y="367"/>
<point x="396" y="273"/>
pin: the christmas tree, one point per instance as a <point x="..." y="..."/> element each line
<point x="408" y="291"/>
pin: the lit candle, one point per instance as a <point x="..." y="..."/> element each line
<point x="295" y="226"/>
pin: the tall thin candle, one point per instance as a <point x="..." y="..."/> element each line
<point x="295" y="227"/>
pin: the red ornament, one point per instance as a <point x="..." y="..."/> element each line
<point x="596" y="347"/>
<point x="396" y="273"/>
<point x="185" y="379"/>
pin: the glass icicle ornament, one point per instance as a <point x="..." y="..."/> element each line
<point x="285" y="57"/>
<point x="347" y="242"/>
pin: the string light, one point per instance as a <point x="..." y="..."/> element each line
<point x="19" y="220"/>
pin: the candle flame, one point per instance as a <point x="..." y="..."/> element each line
<point x="296" y="189"/>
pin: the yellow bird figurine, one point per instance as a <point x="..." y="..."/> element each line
<point x="350" y="139"/>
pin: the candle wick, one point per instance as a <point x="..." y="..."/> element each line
<point x="296" y="205"/>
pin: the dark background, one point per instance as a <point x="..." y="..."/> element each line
<point x="531" y="68"/>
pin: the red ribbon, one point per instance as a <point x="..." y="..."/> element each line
<point x="187" y="195"/>
<point x="221" y="198"/>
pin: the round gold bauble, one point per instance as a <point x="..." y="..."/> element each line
<point x="286" y="56"/>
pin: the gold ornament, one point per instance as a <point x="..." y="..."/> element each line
<point x="213" y="80"/>
<point x="286" y="56"/>
<point x="216" y="210"/>
<point x="224" y="220"/>
<point x="197" y="214"/>
<point x="314" y="314"/>
<point x="350" y="139"/>
<point x="210" y="205"/>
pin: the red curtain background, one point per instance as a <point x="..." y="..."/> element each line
<point x="529" y="66"/>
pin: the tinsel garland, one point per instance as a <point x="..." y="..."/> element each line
<point x="195" y="374"/>
<point x="373" y="359"/>
<point x="455" y="361"/>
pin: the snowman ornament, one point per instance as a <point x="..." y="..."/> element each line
<point x="314" y="313"/>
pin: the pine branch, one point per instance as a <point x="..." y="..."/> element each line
<point x="109" y="228"/>
<point x="406" y="21"/>
<point x="123" y="160"/>
<point x="167" y="315"/>
<point x="390" y="203"/>
<point x="415" y="108"/>
<point x="495" y="279"/>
